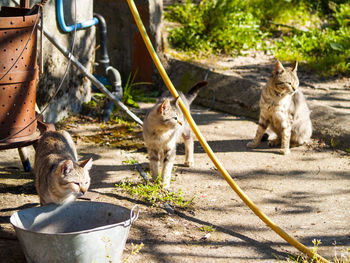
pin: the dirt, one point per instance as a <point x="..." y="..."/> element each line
<point x="306" y="193"/>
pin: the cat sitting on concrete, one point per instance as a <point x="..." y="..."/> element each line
<point x="283" y="109"/>
<point x="59" y="177"/>
<point x="164" y="126"/>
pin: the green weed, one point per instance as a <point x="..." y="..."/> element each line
<point x="134" y="250"/>
<point x="131" y="94"/>
<point x="344" y="257"/>
<point x="316" y="33"/>
<point x="208" y="229"/>
<point x="130" y="161"/>
<point x="154" y="194"/>
<point x="334" y="143"/>
<point x="214" y="27"/>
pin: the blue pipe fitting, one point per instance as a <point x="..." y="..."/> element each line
<point x="69" y="28"/>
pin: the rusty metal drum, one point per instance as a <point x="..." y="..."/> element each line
<point x="18" y="73"/>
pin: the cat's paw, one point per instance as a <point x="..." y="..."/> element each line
<point x="275" y="142"/>
<point x="285" y="151"/>
<point x="252" y="145"/>
<point x="188" y="163"/>
<point x="166" y="187"/>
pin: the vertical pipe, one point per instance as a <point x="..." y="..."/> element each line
<point x="24" y="3"/>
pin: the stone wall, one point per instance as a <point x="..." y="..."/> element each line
<point x="228" y="93"/>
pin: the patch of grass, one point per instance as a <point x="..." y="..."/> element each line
<point x="132" y="94"/>
<point x="316" y="33"/>
<point x="154" y="194"/>
<point x="134" y="250"/>
<point x="334" y="143"/>
<point x="344" y="257"/>
<point x="207" y="229"/>
<point x="130" y="161"/>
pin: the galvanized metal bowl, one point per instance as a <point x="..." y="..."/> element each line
<point x="74" y="232"/>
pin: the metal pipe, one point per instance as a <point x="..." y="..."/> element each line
<point x="91" y="77"/>
<point x="112" y="74"/>
<point x="115" y="80"/>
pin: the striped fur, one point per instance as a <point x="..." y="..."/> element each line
<point x="284" y="110"/>
<point x="164" y="126"/>
<point x="59" y="177"/>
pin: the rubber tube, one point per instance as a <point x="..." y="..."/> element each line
<point x="102" y="27"/>
<point x="207" y="148"/>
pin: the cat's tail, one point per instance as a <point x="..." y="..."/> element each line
<point x="193" y="92"/>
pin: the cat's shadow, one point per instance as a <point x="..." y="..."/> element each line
<point x="229" y="146"/>
<point x="84" y="155"/>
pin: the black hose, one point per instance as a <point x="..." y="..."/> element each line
<point x="104" y="58"/>
<point x="110" y="72"/>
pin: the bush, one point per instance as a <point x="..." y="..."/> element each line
<point x="314" y="32"/>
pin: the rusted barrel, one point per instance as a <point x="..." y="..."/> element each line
<point x="18" y="84"/>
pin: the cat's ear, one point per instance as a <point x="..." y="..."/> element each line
<point x="163" y="106"/>
<point x="66" y="167"/>
<point x="177" y="101"/>
<point x="278" y="68"/>
<point x="295" y="66"/>
<point x="86" y="164"/>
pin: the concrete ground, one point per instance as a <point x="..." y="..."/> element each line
<point x="306" y="193"/>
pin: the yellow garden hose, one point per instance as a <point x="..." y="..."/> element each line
<point x="207" y="148"/>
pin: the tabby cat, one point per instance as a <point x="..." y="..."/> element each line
<point x="59" y="177"/>
<point x="163" y="127"/>
<point x="283" y="109"/>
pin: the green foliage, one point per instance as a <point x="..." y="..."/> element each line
<point x="314" y="32"/>
<point x="154" y="194"/>
<point x="214" y="26"/>
<point x="334" y="143"/>
<point x="134" y="250"/>
<point x="91" y="104"/>
<point x="327" y="49"/>
<point x="131" y="161"/>
<point x="207" y="229"/>
<point x="131" y="94"/>
<point x="345" y="257"/>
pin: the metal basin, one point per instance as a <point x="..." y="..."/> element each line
<point x="74" y="232"/>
